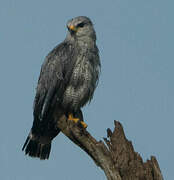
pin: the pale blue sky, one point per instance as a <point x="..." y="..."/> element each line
<point x="136" y="87"/>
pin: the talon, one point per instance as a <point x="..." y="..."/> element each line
<point x="71" y="118"/>
<point x="84" y="124"/>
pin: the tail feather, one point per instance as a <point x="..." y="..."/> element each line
<point x="34" y="148"/>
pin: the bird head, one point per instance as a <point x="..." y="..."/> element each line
<point x="81" y="26"/>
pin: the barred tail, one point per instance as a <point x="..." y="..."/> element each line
<point x="34" y="148"/>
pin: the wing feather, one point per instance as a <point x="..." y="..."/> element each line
<point x="54" y="76"/>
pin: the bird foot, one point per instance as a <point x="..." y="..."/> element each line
<point x="76" y="120"/>
<point x="84" y="124"/>
<point x="71" y="118"/>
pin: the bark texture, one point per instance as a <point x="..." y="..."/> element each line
<point x="116" y="157"/>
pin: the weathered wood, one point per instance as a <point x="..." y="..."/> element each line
<point x="116" y="157"/>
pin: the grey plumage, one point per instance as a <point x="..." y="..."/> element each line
<point x="68" y="78"/>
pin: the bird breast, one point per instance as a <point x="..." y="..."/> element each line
<point x="80" y="87"/>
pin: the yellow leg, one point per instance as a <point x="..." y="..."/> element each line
<point x="71" y="118"/>
<point x="84" y="124"/>
<point x="76" y="120"/>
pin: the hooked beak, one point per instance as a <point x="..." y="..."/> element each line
<point x="72" y="28"/>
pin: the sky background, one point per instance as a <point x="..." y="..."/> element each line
<point x="136" y="86"/>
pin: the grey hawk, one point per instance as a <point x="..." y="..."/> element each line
<point x="68" y="78"/>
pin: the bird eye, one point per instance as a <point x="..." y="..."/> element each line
<point x="80" y="25"/>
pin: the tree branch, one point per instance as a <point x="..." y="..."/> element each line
<point x="117" y="158"/>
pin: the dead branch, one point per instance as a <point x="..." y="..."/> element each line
<point x="117" y="158"/>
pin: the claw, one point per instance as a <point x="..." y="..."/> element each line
<point x="84" y="124"/>
<point x="76" y="120"/>
<point x="71" y="118"/>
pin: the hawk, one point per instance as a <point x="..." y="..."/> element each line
<point x="67" y="81"/>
